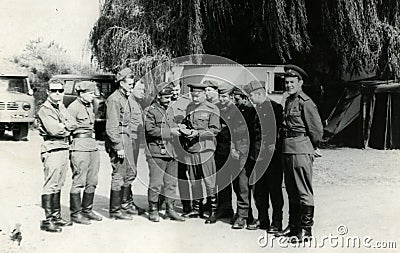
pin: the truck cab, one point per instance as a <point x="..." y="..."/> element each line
<point x="17" y="105"/>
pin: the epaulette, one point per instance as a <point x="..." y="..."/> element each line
<point x="211" y="105"/>
<point x="303" y="96"/>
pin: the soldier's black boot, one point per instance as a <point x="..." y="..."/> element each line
<point x="58" y="220"/>
<point x="127" y="203"/>
<point x="161" y="202"/>
<point x="195" y="212"/>
<point x="171" y="213"/>
<point x="48" y="224"/>
<point x="153" y="212"/>
<point x="294" y="217"/>
<point x="87" y="207"/>
<point x="186" y="206"/>
<point x="213" y="212"/>
<point x="276" y="225"/>
<point x="115" y="207"/>
<point x="75" y="207"/>
<point x="304" y="226"/>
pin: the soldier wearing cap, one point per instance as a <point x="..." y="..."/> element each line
<point x="55" y="126"/>
<point x="123" y="116"/>
<point x="302" y="130"/>
<point x="202" y="125"/>
<point x="211" y="91"/>
<point x="161" y="134"/>
<point x="84" y="155"/>
<point x="223" y="160"/>
<point x="240" y="151"/>
<point x="179" y="103"/>
<point x="264" y="162"/>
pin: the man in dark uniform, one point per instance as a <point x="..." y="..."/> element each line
<point x="223" y="160"/>
<point x="121" y="112"/>
<point x="264" y="162"/>
<point x="302" y="130"/>
<point x="85" y="157"/>
<point x="240" y="151"/>
<point x="55" y="126"/>
<point x="162" y="133"/>
<point x="202" y="125"/>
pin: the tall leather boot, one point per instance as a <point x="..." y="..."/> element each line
<point x="87" y="207"/>
<point x="48" y="224"/>
<point x="127" y="202"/>
<point x="171" y="213"/>
<point x="304" y="225"/>
<point x="213" y="212"/>
<point x="153" y="212"/>
<point x="195" y="212"/>
<point x="75" y="207"/>
<point x="58" y="220"/>
<point x="161" y="202"/>
<point x="186" y="206"/>
<point x="115" y="207"/>
<point x="294" y="217"/>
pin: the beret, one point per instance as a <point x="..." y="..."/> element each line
<point x="85" y="86"/>
<point x="294" y="71"/>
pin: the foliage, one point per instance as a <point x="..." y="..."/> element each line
<point x="346" y="36"/>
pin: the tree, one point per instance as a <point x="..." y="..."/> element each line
<point x="331" y="36"/>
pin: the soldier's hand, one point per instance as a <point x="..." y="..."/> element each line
<point x="62" y="125"/>
<point x="271" y="148"/>
<point x="121" y="154"/>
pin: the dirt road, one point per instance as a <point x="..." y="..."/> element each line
<point x="353" y="188"/>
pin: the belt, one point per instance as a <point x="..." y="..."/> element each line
<point x="83" y="135"/>
<point x="52" y="138"/>
<point x="293" y="134"/>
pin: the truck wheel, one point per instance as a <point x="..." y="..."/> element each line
<point x="20" y="132"/>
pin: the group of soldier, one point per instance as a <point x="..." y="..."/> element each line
<point x="217" y="137"/>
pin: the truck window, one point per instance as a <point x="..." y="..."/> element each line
<point x="279" y="83"/>
<point x="13" y="84"/>
<point x="69" y="86"/>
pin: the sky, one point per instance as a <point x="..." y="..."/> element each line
<point x="68" y="22"/>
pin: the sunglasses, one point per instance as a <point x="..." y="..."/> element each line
<point x="55" y="90"/>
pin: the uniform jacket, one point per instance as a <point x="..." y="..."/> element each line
<point x="227" y="121"/>
<point x="262" y="134"/>
<point x="158" y="122"/>
<point x="55" y="124"/>
<point x="204" y="118"/>
<point x="124" y="116"/>
<point x="84" y="117"/>
<point x="301" y="116"/>
<point x="242" y="124"/>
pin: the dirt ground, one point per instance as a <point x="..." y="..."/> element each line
<point x="356" y="195"/>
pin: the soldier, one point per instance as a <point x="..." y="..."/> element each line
<point x="123" y="117"/>
<point x="211" y="91"/>
<point x="85" y="157"/>
<point x="240" y="150"/>
<point x="202" y="125"/>
<point x="302" y="130"/>
<point x="223" y="159"/>
<point x="268" y="171"/>
<point x="55" y="125"/>
<point x="161" y="133"/>
<point x="179" y="104"/>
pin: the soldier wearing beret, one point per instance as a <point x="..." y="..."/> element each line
<point x="123" y="119"/>
<point x="302" y="130"/>
<point x="84" y="155"/>
<point x="264" y="162"/>
<point x="202" y="125"/>
<point x="55" y="126"/>
<point x="223" y="160"/>
<point x="162" y="133"/>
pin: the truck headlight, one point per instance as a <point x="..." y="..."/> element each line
<point x="26" y="106"/>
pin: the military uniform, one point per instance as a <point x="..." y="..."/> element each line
<point x="160" y="153"/>
<point x="124" y="118"/>
<point x="85" y="158"/>
<point x="204" y="118"/>
<point x="302" y="130"/>
<point x="55" y="125"/>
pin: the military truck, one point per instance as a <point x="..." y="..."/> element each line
<point x="17" y="105"/>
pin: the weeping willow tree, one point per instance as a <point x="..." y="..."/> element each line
<point x="344" y="36"/>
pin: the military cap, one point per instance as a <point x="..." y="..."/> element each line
<point x="164" y="89"/>
<point x="238" y="91"/>
<point x="294" y="71"/>
<point x="253" y="85"/>
<point x="225" y="88"/>
<point x="85" y="86"/>
<point x="197" y="86"/>
<point x="124" y="73"/>
<point x="210" y="83"/>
